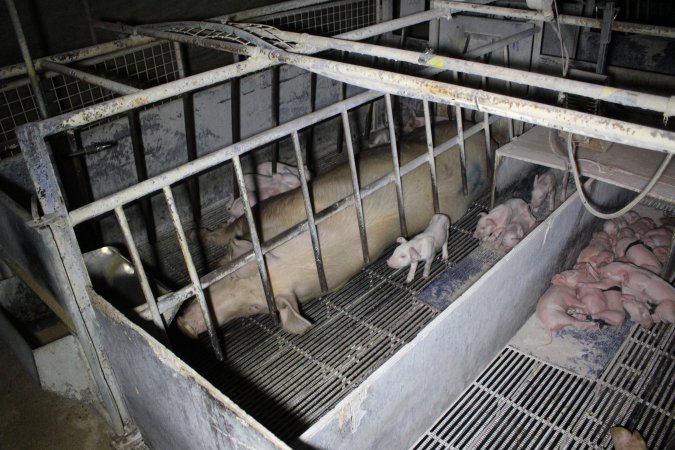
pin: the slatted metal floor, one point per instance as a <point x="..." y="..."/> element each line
<point x="287" y="382"/>
<point x="522" y="402"/>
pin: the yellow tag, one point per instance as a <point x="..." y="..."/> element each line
<point x="436" y="62"/>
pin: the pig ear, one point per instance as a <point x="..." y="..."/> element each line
<point x="291" y="320"/>
<point x="557" y="279"/>
<point x="414" y="254"/>
<point x="482" y="214"/>
<point x="401" y="240"/>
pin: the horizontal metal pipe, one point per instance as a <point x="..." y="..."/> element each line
<point x="16" y="70"/>
<point x="196" y="166"/>
<point x="625" y="27"/>
<point x="613" y="95"/>
<point x="498" y="44"/>
<point x="511" y="107"/>
<point x="96" y="80"/>
<point x="155" y="32"/>
<point x="169" y="300"/>
<point x="267" y="10"/>
<point x="116" y="106"/>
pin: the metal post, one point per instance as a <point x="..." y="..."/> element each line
<point x="396" y="164"/>
<point x="276" y="101"/>
<point x="180" y="59"/>
<point x="358" y="202"/>
<point x="80" y="309"/>
<point x="140" y="271"/>
<point x="264" y="275"/>
<point x="25" y="53"/>
<point x="488" y="145"/>
<point x="313" y="234"/>
<point x="192" y="272"/>
<point x="430" y="155"/>
<point x="462" y="150"/>
<point x="605" y="36"/>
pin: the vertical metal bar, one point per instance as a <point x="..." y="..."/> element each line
<point x="87" y="13"/>
<point x="192" y="271"/>
<point x="141" y="173"/>
<point x="431" y="158"/>
<point x="235" y="112"/>
<point x="488" y="145"/>
<point x="312" y="107"/>
<point x="670" y="264"/>
<point x="358" y="202"/>
<point x="340" y="129"/>
<point x="508" y="90"/>
<point x="462" y="150"/>
<point x="180" y="59"/>
<point x="493" y="191"/>
<point x="275" y="91"/>
<point x="313" y="234"/>
<point x="25" y="53"/>
<point x="397" y="167"/>
<point x="605" y="36"/>
<point x="140" y="272"/>
<point x="264" y="275"/>
<point x="75" y="282"/>
<point x="191" y="144"/>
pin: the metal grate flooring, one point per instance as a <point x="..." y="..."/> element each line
<point x="522" y="402"/>
<point x="287" y="382"/>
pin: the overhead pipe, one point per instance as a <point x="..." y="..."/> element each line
<point x="587" y="22"/>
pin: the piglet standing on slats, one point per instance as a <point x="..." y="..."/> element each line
<point x="422" y="247"/>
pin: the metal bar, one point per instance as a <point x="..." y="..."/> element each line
<point x="605" y="36"/>
<point x="28" y="61"/>
<point x="396" y="164"/>
<point x="462" y="150"/>
<point x="275" y="88"/>
<point x="205" y="162"/>
<point x="141" y="173"/>
<point x="169" y="300"/>
<point x="500" y="43"/>
<point x="79" y="307"/>
<point x="313" y="234"/>
<point x="358" y="202"/>
<point x="191" y="147"/>
<point x="431" y="159"/>
<point x="180" y="60"/>
<point x="16" y="70"/>
<point x="443" y="63"/>
<point x="488" y="145"/>
<point x="192" y="271"/>
<point x="514" y="108"/>
<point x="113" y="107"/>
<point x="280" y="7"/>
<point x="153" y="31"/>
<point x="87" y="13"/>
<point x="264" y="275"/>
<point x="508" y="89"/>
<point x="587" y="22"/>
<point x="140" y="271"/>
<point x="114" y="86"/>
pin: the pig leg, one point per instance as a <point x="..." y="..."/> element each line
<point x="411" y="272"/>
<point x="427" y="267"/>
<point x="289" y="313"/>
<point x="445" y="250"/>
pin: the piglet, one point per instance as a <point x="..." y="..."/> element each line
<point x="553" y="306"/>
<point x="638" y="311"/>
<point x="571" y="278"/>
<point x="492" y="224"/>
<point x="544" y="190"/>
<point x="422" y="247"/>
<point x="631" y="217"/>
<point x="622" y="439"/>
<point x="513" y="233"/>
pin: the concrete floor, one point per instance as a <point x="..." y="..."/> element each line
<point x="31" y="418"/>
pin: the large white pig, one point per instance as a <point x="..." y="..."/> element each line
<point x="292" y="270"/>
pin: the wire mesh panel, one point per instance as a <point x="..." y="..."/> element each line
<point x="17" y="106"/>
<point x="148" y="66"/>
<point x="329" y="20"/>
<point x="522" y="402"/>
